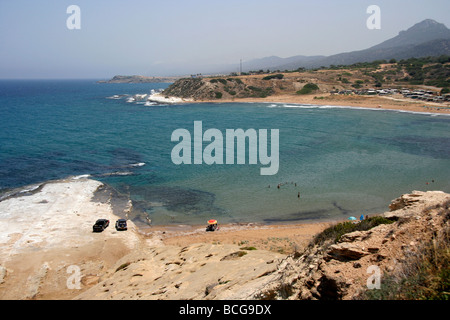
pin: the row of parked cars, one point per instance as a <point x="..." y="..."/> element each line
<point x="102" y="224"/>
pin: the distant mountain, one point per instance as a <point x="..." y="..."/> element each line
<point x="420" y="33"/>
<point x="426" y="38"/>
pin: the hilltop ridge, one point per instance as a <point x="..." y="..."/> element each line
<point x="426" y="38"/>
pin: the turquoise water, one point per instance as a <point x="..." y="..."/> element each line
<point x="343" y="161"/>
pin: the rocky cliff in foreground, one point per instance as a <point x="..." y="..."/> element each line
<point x="334" y="268"/>
<point x="341" y="269"/>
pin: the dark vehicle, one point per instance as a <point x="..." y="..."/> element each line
<point x="121" y="224"/>
<point x="100" y="225"/>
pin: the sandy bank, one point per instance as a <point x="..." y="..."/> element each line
<point x="377" y="102"/>
<point x="284" y="239"/>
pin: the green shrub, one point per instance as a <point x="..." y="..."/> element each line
<point x="308" y="88"/>
<point x="335" y="232"/>
<point x="274" y="76"/>
<point x="260" y="92"/>
<point x="253" y="88"/>
<point x="223" y="81"/>
<point x="218" y="95"/>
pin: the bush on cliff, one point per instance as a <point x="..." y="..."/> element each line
<point x="336" y="231"/>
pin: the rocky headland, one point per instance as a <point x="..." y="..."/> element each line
<point x="139" y="79"/>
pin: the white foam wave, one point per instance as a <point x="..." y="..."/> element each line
<point x="140" y="164"/>
<point x="117" y="173"/>
<point x="81" y="176"/>
<point x="306" y="106"/>
<point x="20" y="191"/>
<point x="30" y="188"/>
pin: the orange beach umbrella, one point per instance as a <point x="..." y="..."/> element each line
<point x="212" y="221"/>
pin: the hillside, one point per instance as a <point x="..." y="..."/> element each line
<point x="430" y="73"/>
<point x="426" y="38"/>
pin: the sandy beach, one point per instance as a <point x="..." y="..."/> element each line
<point x="280" y="238"/>
<point x="396" y="102"/>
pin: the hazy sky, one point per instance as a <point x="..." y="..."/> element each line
<point x="187" y="36"/>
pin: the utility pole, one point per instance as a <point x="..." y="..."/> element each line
<point x="240" y="68"/>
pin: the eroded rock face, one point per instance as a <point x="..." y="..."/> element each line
<point x="346" y="251"/>
<point x="199" y="271"/>
<point x="405" y="200"/>
<point x="340" y="270"/>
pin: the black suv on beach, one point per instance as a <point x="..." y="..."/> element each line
<point x="100" y="225"/>
<point x="121" y="224"/>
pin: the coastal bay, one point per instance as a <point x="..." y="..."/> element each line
<point x="334" y="163"/>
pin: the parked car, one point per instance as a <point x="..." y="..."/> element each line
<point x="100" y="225"/>
<point x="121" y="224"/>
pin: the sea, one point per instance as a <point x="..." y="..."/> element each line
<point x="334" y="162"/>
